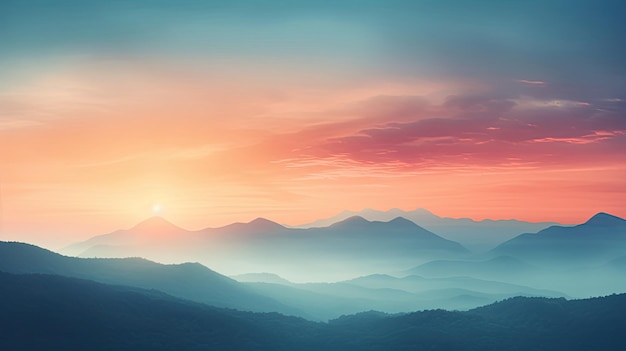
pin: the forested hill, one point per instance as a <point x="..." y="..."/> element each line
<point x="56" y="313"/>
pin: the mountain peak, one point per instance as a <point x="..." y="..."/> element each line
<point x="263" y="223"/>
<point x="351" y="222"/>
<point x="402" y="221"/>
<point x="605" y="219"/>
<point x="155" y="223"/>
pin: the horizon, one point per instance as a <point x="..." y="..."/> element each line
<point x="210" y="112"/>
<point x="56" y="245"/>
<point x="168" y="237"/>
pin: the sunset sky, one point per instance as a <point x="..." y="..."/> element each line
<point x="223" y="111"/>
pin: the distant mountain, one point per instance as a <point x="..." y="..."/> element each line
<point x="153" y="230"/>
<point x="356" y="245"/>
<point x="418" y="284"/>
<point x="398" y="236"/>
<point x="504" y="268"/>
<point x="600" y="239"/>
<point x="478" y="236"/>
<point x="618" y="264"/>
<point x="385" y="293"/>
<point x="258" y="225"/>
<point x="370" y="214"/>
<point x="261" y="278"/>
<point x="320" y="301"/>
<point x="189" y="280"/>
<point x="57" y="313"/>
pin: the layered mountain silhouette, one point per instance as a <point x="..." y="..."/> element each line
<point x="430" y="272"/>
<point x="496" y="268"/>
<point x="600" y="239"/>
<point x="153" y="230"/>
<point x="48" y="312"/>
<point x="262" y="278"/>
<point x="195" y="282"/>
<point x="58" y="313"/>
<point x="357" y="245"/>
<point x="189" y="280"/>
<point x="478" y="236"/>
<point x="555" y="258"/>
<point x="268" y="292"/>
<point x="389" y="294"/>
<point x="582" y="260"/>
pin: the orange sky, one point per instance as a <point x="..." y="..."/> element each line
<point x="296" y="129"/>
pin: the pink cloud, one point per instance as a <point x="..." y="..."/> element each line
<point x="483" y="130"/>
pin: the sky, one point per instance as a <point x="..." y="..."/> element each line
<point x="221" y="111"/>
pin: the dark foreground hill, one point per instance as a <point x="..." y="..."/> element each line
<point x="188" y="280"/>
<point x="47" y="312"/>
<point x="57" y="313"/>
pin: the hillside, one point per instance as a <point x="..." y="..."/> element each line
<point x="57" y="313"/>
<point x="600" y="239"/>
<point x="189" y="280"/>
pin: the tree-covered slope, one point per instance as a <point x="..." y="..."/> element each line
<point x="57" y="313"/>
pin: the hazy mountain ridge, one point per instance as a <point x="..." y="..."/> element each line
<point x="262" y="278"/>
<point x="557" y="258"/>
<point x="329" y="300"/>
<point x="357" y="247"/>
<point x="476" y="235"/>
<point x="416" y="283"/>
<point x="495" y="268"/>
<point x="355" y="243"/>
<point x="51" y="312"/>
<point x="600" y="239"/>
<point x="149" y="230"/>
<point x="321" y="301"/>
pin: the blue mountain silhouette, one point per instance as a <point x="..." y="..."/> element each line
<point x="599" y="239"/>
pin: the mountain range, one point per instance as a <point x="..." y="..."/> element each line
<point x="498" y="268"/>
<point x="355" y="244"/>
<point x="58" y="313"/>
<point x="581" y="260"/>
<point x="406" y="267"/>
<point x="601" y="238"/>
<point x="266" y="292"/>
<point x="389" y="294"/>
<point x="478" y="236"/>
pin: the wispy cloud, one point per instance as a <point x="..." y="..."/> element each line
<point x="17" y="123"/>
<point x="531" y="82"/>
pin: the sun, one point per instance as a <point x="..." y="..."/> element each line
<point x="156" y="208"/>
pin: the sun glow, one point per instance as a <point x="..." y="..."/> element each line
<point x="156" y="209"/>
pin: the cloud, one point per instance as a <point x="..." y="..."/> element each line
<point x="531" y="82"/>
<point x="476" y="129"/>
<point x="479" y="105"/>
